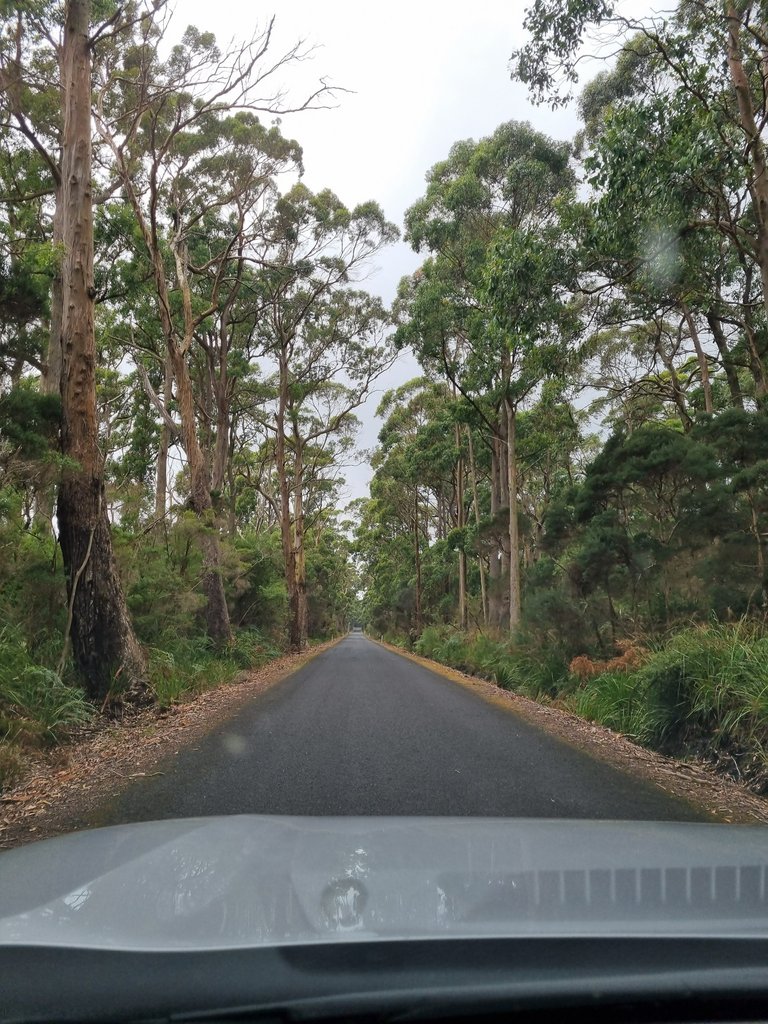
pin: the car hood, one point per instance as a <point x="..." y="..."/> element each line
<point x="246" y="881"/>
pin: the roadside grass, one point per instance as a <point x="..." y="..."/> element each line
<point x="703" y="691"/>
<point x="532" y="672"/>
<point x="184" y="667"/>
<point x="39" y="710"/>
<point x="705" y="684"/>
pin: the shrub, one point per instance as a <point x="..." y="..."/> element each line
<point x="583" y="667"/>
<point x="538" y="673"/>
<point x="184" y="666"/>
<point x="485" y="656"/>
<point x="431" y="641"/>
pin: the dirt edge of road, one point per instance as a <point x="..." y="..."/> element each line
<point x="63" y="788"/>
<point x="724" y="799"/>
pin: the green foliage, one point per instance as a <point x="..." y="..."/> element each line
<point x="512" y="666"/>
<point x="35" y="705"/>
<point x="715" y="681"/>
<point x="39" y="695"/>
<point x="627" y="704"/>
<point x="29" y="421"/>
<point x="705" y="689"/>
<point x="183" y="667"/>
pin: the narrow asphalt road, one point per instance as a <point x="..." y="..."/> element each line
<point x="361" y="730"/>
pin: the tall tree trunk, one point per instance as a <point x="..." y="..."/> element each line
<point x="461" y="523"/>
<point x="729" y="367"/>
<point x="302" y="608"/>
<point x="476" y="505"/>
<point x="678" y="395"/>
<point x="231" y="499"/>
<point x="514" y="531"/>
<point x="504" y="532"/>
<point x="104" y="645"/>
<point x="701" y="357"/>
<point x="495" y="595"/>
<point x="216" y="612"/>
<point x="417" y="559"/>
<point x="52" y="371"/>
<point x="756" y="350"/>
<point x="221" y="444"/>
<point x="286" y="531"/>
<point x="161" y="470"/>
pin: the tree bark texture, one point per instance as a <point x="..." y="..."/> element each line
<point x="515" y="606"/>
<point x="729" y="367"/>
<point x="701" y="357"/>
<point x="300" y="558"/>
<point x="476" y="506"/>
<point x="286" y="526"/>
<point x="105" y="648"/>
<point x="495" y="568"/>
<point x="461" y="523"/>
<point x="161" y="468"/>
<point x="417" y="560"/>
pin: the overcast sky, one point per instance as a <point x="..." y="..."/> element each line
<point x="425" y="73"/>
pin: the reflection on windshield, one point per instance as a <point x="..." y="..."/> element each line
<point x="261" y="881"/>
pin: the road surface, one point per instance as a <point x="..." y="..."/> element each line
<point x="362" y="730"/>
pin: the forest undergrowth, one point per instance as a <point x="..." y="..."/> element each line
<point x="39" y="709"/>
<point x="43" y="704"/>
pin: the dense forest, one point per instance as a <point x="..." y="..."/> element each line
<point x="571" y="499"/>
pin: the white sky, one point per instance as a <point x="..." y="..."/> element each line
<point x="425" y="73"/>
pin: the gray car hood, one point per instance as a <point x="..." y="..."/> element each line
<point x="244" y="881"/>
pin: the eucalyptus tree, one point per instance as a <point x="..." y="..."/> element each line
<point x="504" y="186"/>
<point x="418" y="492"/>
<point x="47" y="62"/>
<point x="707" y="57"/>
<point x="198" y="168"/>
<point x="326" y="341"/>
<point x="671" y="222"/>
